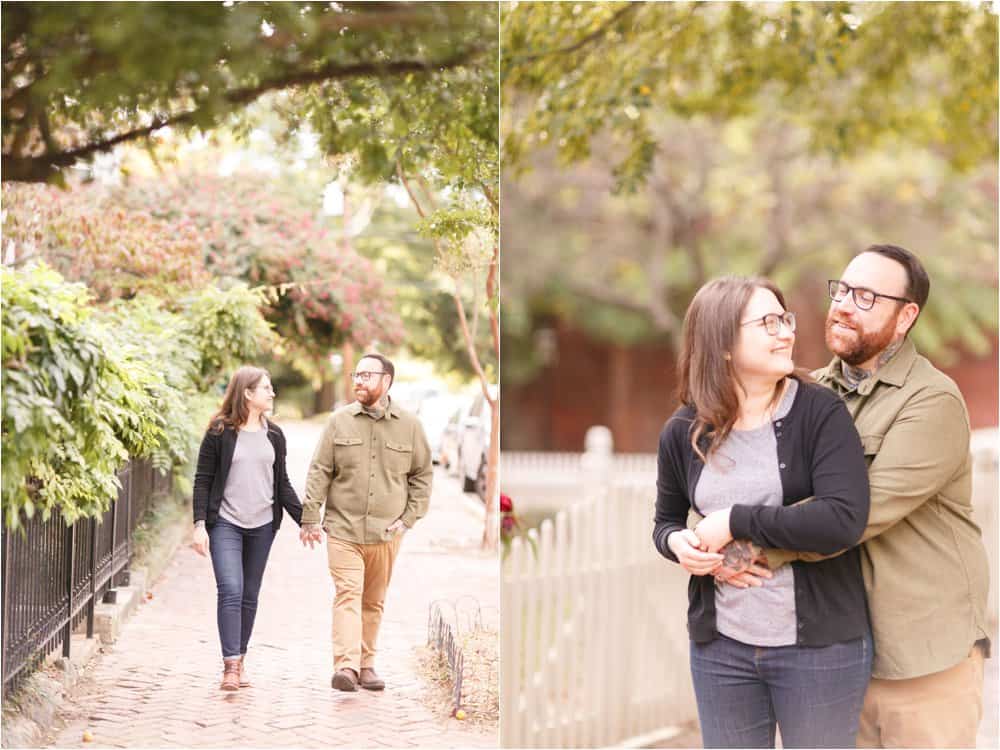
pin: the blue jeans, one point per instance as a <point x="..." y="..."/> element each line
<point x="813" y="693"/>
<point x="238" y="558"/>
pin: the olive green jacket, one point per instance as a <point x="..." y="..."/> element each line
<point x="923" y="559"/>
<point x="367" y="473"/>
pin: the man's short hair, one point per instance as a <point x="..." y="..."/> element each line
<point x="387" y="365"/>
<point x="918" y="284"/>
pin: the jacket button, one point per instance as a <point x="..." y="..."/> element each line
<point x="778" y="433"/>
<point x="781" y="466"/>
<point x="778" y="423"/>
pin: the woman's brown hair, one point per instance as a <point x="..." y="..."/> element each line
<point x="234" y="411"/>
<point x="707" y="381"/>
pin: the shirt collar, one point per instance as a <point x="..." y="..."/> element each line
<point x="894" y="372"/>
<point x="355" y="408"/>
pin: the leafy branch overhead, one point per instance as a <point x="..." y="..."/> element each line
<point x="80" y="78"/>
<point x="855" y="75"/>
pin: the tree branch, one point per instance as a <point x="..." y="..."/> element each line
<point x="41" y="168"/>
<point x="580" y="43"/>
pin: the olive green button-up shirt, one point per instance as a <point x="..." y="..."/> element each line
<point x="922" y="556"/>
<point x="366" y="472"/>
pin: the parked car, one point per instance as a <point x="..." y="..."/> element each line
<point x="436" y="412"/>
<point x="474" y="445"/>
<point x="448" y="446"/>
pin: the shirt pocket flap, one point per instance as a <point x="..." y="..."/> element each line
<point x="871" y="444"/>
<point x="347" y="441"/>
<point x="401" y="447"/>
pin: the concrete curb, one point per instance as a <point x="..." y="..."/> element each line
<point x="36" y="712"/>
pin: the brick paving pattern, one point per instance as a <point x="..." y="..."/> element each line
<point x="158" y="685"/>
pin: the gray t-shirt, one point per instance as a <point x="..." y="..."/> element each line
<point x="247" y="497"/>
<point x="744" y="470"/>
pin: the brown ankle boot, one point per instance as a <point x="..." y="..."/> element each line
<point x="345" y="679"/>
<point x="244" y="678"/>
<point x="371" y="681"/>
<point x="230" y="675"/>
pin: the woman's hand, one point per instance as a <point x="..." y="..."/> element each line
<point x="713" y="530"/>
<point x="311" y="534"/>
<point x="200" y="541"/>
<point x="688" y="548"/>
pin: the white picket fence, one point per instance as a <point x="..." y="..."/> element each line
<point x="594" y="638"/>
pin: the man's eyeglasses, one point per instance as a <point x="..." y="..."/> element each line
<point x="864" y="299"/>
<point x="773" y="322"/>
<point x="365" y="377"/>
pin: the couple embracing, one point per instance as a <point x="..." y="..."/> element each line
<point x="838" y="580"/>
<point x="371" y="475"/>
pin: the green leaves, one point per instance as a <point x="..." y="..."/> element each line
<point x="853" y="74"/>
<point x="84" y="73"/>
<point x="84" y="389"/>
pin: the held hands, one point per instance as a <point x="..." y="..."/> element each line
<point x="311" y="534"/>
<point x="199" y="541"/>
<point x="709" y="549"/>
<point x="742" y="565"/>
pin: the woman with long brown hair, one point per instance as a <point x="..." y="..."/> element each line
<point x="751" y="438"/>
<point x="241" y="488"/>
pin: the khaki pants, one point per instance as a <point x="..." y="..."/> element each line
<point x="942" y="709"/>
<point x="361" y="575"/>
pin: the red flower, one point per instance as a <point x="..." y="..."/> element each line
<point x="507" y="524"/>
<point x="506" y="504"/>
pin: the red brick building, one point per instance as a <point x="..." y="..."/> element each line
<point x="631" y="391"/>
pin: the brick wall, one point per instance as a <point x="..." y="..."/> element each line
<point x="631" y="391"/>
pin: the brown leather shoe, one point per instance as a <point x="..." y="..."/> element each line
<point x="244" y="679"/>
<point x="345" y="679"/>
<point x="370" y="680"/>
<point x="231" y="675"/>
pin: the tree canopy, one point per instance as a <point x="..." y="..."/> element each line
<point x="81" y="78"/>
<point x="854" y="75"/>
<point x="649" y="147"/>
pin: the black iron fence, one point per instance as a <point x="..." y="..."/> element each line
<point x="54" y="574"/>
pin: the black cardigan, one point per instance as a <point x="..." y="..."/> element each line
<point x="819" y="454"/>
<point x="214" y="459"/>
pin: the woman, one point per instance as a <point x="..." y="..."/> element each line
<point x="750" y="439"/>
<point x="240" y="488"/>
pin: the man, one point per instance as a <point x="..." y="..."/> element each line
<point x="372" y="472"/>
<point x="923" y="560"/>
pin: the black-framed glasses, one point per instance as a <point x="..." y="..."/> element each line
<point x="864" y="299"/>
<point x="366" y="377"/>
<point x="773" y="322"/>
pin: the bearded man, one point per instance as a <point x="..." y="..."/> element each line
<point x="371" y="473"/>
<point x="922" y="556"/>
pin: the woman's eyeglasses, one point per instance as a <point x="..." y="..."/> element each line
<point x="773" y="322"/>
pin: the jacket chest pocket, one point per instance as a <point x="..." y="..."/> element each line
<point x="347" y="451"/>
<point x="398" y="456"/>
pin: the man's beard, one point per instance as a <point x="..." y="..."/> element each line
<point x="863" y="346"/>
<point x="367" y="397"/>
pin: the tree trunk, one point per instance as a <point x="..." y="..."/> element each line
<point x="491" y="529"/>
<point x="326" y="395"/>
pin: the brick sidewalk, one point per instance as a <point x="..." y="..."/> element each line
<point x="158" y="685"/>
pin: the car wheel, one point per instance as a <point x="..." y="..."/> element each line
<point x="468" y="485"/>
<point x="481" y="481"/>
